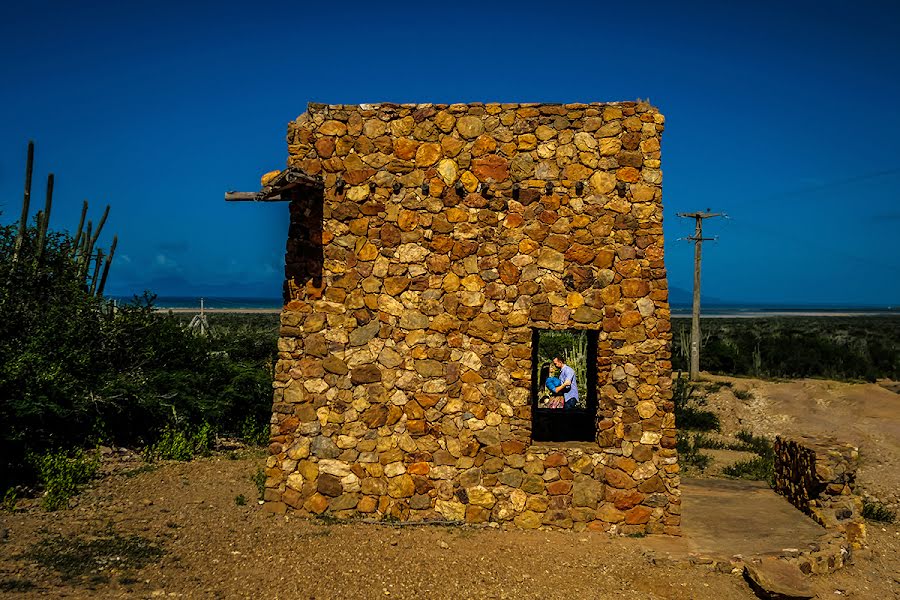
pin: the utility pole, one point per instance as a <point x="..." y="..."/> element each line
<point x="698" y="239"/>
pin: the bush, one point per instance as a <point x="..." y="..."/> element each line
<point x="845" y="348"/>
<point x="876" y="511"/>
<point x="689" y="452"/>
<point x="62" y="473"/>
<point x="181" y="444"/>
<point x="687" y="415"/>
<point x="74" y="369"/>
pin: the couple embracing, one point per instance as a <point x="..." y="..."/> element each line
<point x="563" y="388"/>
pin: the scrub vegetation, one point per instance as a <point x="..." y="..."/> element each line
<point x="851" y="348"/>
<point x="76" y="371"/>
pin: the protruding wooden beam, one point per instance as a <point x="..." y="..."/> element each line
<point x="252" y="197"/>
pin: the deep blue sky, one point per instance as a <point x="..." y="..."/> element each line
<point x="785" y="116"/>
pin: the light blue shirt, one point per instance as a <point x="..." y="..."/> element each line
<point x="568" y="374"/>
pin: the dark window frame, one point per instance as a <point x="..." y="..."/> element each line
<point x="565" y="424"/>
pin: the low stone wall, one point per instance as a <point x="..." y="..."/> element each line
<point x="818" y="476"/>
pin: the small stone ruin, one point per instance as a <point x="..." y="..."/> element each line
<point x="429" y="248"/>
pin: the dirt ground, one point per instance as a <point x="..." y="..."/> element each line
<point x="195" y="530"/>
<point x="866" y="415"/>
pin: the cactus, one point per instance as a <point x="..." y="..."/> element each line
<point x="79" y="231"/>
<point x="44" y="222"/>
<point x="26" y="202"/>
<point x="112" y="251"/>
<point x="96" y="276"/>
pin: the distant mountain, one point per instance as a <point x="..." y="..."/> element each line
<point x="682" y="297"/>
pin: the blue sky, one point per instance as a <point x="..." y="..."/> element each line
<point x="782" y="115"/>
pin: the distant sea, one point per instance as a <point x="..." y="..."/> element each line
<point x="678" y="310"/>
<point x="212" y="302"/>
<point x="773" y="310"/>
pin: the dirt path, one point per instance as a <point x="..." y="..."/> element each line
<point x="214" y="548"/>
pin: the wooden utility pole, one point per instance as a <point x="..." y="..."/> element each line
<point x="698" y="239"/>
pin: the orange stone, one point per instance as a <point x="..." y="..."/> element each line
<point x="418" y="468"/>
<point x="559" y="488"/>
<point x="635" y="288"/>
<point x="405" y="148"/>
<point x="491" y="167"/>
<point x="630" y="318"/>
<point x="628" y="175"/>
<point x="557" y="459"/>
<point x="317" y="503"/>
<point x="638" y="515"/>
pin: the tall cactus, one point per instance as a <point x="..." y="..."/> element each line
<point x="82" y="250"/>
<point x="79" y="232"/>
<point x="112" y="251"/>
<point x="26" y="202"/>
<point x="96" y="276"/>
<point x="44" y="222"/>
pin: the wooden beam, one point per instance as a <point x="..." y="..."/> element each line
<point x="252" y="197"/>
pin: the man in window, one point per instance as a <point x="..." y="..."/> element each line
<point x="568" y="386"/>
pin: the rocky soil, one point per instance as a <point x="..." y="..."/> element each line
<point x="866" y="415"/>
<point x="195" y="530"/>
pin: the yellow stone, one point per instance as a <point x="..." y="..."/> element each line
<point x="447" y="171"/>
<point x="528" y="246"/>
<point x="428" y="154"/>
<point x="646" y="409"/>
<point x="642" y="193"/>
<point x="332" y="128"/>
<point x="473" y="283"/>
<point x="451" y="282"/>
<point x="603" y="182"/>
<point x="612" y="112"/>
<point x="457" y="215"/>
<point x="527" y="142"/>
<point x="469" y="181"/>
<point x="651" y="145"/>
<point x="574" y="300"/>
<point x="484" y="144"/>
<point x="544" y="133"/>
<point x="610" y="146"/>
<point x="358" y="192"/>
<point x="444" y="121"/>
<point x="265" y="179"/>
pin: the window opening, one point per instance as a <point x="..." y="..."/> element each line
<point x="563" y="412"/>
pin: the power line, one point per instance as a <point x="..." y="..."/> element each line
<point x="698" y="240"/>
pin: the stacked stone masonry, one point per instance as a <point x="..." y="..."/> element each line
<point x="444" y="235"/>
<point x="818" y="476"/>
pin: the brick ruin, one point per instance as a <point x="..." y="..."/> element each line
<point x="426" y="244"/>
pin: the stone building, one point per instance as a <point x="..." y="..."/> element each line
<point x="430" y="246"/>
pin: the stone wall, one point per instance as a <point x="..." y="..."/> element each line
<point x="445" y="233"/>
<point x="818" y="476"/>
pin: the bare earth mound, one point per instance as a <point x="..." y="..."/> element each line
<point x="866" y="415"/>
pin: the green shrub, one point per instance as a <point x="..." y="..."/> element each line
<point x="62" y="473"/>
<point x="259" y="480"/>
<point x="876" y="511"/>
<point x="74" y="370"/>
<point x="689" y="452"/>
<point x="854" y="348"/>
<point x="687" y="414"/>
<point x="758" y="468"/>
<point x="240" y="500"/>
<point x="181" y="444"/>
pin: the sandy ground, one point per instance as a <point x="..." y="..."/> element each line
<point x="214" y="548"/>
<point x="866" y="415"/>
<point x="215" y="542"/>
